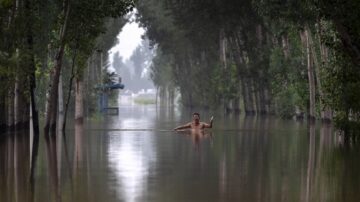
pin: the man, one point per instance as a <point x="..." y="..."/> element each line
<point x="196" y="124"/>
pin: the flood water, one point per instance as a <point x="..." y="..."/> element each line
<point x="135" y="156"/>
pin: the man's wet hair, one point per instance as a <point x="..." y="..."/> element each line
<point x="195" y="113"/>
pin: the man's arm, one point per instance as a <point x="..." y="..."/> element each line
<point x="188" y="125"/>
<point x="210" y="124"/>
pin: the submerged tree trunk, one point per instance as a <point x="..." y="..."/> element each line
<point x="18" y="105"/>
<point x="32" y="78"/>
<point x="10" y="109"/>
<point x="3" y="117"/>
<point x="248" y="96"/>
<point x="263" y="101"/>
<point x="51" y="109"/>
<point x="70" y="88"/>
<point x="236" y="105"/>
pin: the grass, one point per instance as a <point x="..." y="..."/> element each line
<point x="144" y="101"/>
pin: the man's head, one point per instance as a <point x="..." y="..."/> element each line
<point x="196" y="117"/>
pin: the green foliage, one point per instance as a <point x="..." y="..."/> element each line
<point x="342" y="80"/>
<point x="29" y="34"/>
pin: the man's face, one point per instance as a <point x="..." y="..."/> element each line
<point x="196" y="118"/>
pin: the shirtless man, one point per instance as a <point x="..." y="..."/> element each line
<point x="196" y="124"/>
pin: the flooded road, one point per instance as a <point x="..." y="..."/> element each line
<point x="136" y="156"/>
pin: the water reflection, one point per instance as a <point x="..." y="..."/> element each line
<point x="132" y="153"/>
<point x="198" y="136"/>
<point x="52" y="163"/>
<point x="249" y="159"/>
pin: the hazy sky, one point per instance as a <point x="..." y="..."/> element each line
<point x="129" y="38"/>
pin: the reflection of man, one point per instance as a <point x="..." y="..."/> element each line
<point x="196" y="124"/>
<point x="199" y="135"/>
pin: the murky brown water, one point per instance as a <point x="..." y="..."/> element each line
<point x="135" y="157"/>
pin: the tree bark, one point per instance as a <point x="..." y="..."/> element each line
<point x="61" y="104"/>
<point x="262" y="101"/>
<point x="326" y="114"/>
<point x="69" y="92"/>
<point x="311" y="79"/>
<point x="51" y="109"/>
<point x="79" y="101"/>
<point x="236" y="105"/>
<point x="10" y="115"/>
<point x="222" y="46"/>
<point x="3" y="117"/>
<point x="285" y="46"/>
<point x="17" y="105"/>
<point x="32" y="79"/>
<point x="248" y="96"/>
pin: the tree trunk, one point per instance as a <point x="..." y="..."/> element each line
<point x="79" y="101"/>
<point x="32" y="78"/>
<point x="25" y="115"/>
<point x="3" y="117"/>
<point x="262" y="101"/>
<point x="236" y="105"/>
<point x="326" y="112"/>
<point x="256" y="96"/>
<point x="51" y="109"/>
<point x="269" y="102"/>
<point x="285" y="46"/>
<point x="69" y="91"/>
<point x="311" y="78"/>
<point x="248" y="96"/>
<point x="61" y="116"/>
<point x="227" y="105"/>
<point x="157" y="96"/>
<point x="18" y="105"/>
<point x="10" y="115"/>
<point x="222" y="46"/>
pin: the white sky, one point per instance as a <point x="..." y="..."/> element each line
<point x="129" y="38"/>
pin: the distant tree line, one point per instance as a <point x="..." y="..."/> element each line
<point x="290" y="58"/>
<point x="134" y="71"/>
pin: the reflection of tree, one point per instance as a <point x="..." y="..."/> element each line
<point x="14" y="167"/>
<point x="52" y="162"/>
<point x="34" y="145"/>
<point x="78" y="153"/>
<point x="310" y="164"/>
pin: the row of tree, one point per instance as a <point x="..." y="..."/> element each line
<point x="134" y="70"/>
<point x="261" y="57"/>
<point x="37" y="40"/>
